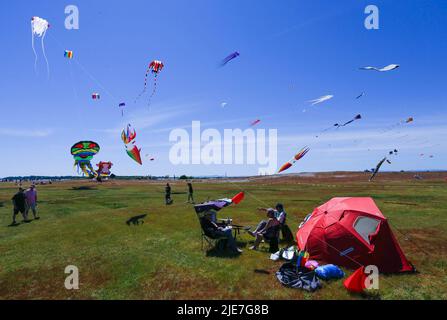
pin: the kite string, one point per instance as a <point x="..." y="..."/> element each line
<point x="145" y="85"/>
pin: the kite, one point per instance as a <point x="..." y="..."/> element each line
<point x="96" y="96"/>
<point x="151" y="158"/>
<point x="357" y="117"/>
<point x="83" y="153"/>
<point x="297" y="157"/>
<point x="68" y="54"/>
<point x="384" y="69"/>
<point x="376" y="170"/>
<point x="104" y="169"/>
<point x="321" y="99"/>
<point x="229" y="58"/>
<point x="39" y="29"/>
<point x="154" y="67"/>
<point x="410" y="119"/>
<point x="121" y="106"/>
<point x="128" y="136"/>
<point x="255" y="122"/>
<point x="401" y="122"/>
<point x="223" y="104"/>
<point x="360" y="95"/>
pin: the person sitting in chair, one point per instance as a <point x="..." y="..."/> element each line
<point x="281" y="216"/>
<point x="266" y="229"/>
<point x="214" y="231"/>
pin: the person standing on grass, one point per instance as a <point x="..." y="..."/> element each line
<point x="31" y="201"/>
<point x="190" y="193"/>
<point x="168" y="199"/>
<point x="19" y="202"/>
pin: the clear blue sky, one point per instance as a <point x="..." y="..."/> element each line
<point x="290" y="52"/>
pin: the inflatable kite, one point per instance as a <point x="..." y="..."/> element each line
<point x="229" y="58"/>
<point x="128" y="136"/>
<point x="104" y="169"/>
<point x="83" y="152"/>
<point x="376" y="170"/>
<point x="384" y="69"/>
<point x="297" y="157"/>
<point x="39" y="29"/>
<point x="154" y="67"/>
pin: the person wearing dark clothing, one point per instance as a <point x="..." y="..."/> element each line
<point x="168" y="199"/>
<point x="212" y="230"/>
<point x="190" y="193"/>
<point x="266" y="229"/>
<point x="19" y="202"/>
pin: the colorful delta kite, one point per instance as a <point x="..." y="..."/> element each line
<point x="68" y="54"/>
<point x="255" y="122"/>
<point x="128" y="136"/>
<point x="96" y="96"/>
<point x="83" y="152"/>
<point x="297" y="157"/>
<point x="104" y="169"/>
<point x="384" y="69"/>
<point x="229" y="58"/>
<point x="154" y="67"/>
<point x="39" y="29"/>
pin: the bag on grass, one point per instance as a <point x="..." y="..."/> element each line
<point x="329" y="271"/>
<point x="297" y="277"/>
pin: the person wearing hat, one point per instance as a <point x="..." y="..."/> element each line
<point x="31" y="201"/>
<point x="214" y="231"/>
<point x="19" y="202"/>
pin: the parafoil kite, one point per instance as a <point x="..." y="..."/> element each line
<point x="128" y="136"/>
<point x="121" y="106"/>
<point x="104" y="169"/>
<point x="154" y="67"/>
<point x="68" y="54"/>
<point x="83" y="152"/>
<point x="39" y="29"/>
<point x="384" y="69"/>
<point x="229" y="58"/>
<point x="297" y="157"/>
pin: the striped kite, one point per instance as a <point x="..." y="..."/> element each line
<point x="83" y="152"/>
<point x="291" y="162"/>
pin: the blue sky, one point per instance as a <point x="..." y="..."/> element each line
<point x="290" y="52"/>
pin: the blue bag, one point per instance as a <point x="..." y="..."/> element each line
<point x="329" y="271"/>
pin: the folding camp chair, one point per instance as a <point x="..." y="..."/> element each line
<point x="213" y="242"/>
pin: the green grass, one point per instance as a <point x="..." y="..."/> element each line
<point x="162" y="258"/>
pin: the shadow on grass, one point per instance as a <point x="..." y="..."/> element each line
<point x="1" y="204"/>
<point x="82" y="188"/>
<point x="136" y="220"/>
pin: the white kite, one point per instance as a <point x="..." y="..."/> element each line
<point x="39" y="28"/>
<point x="321" y="99"/>
<point x="223" y="104"/>
<point x="387" y="68"/>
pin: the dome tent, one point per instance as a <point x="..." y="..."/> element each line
<point x="352" y="232"/>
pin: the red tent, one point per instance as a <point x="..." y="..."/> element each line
<point x="352" y="232"/>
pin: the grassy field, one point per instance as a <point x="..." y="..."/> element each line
<point x="162" y="258"/>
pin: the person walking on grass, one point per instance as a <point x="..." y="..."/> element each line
<point x="168" y="199"/>
<point x="190" y="193"/>
<point x="31" y="201"/>
<point x="19" y="203"/>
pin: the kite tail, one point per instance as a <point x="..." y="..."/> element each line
<point x="34" y="50"/>
<point x="44" y="55"/>
<point x="145" y="86"/>
<point x="153" y="90"/>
